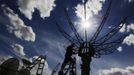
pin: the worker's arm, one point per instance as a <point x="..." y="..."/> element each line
<point x="74" y="51"/>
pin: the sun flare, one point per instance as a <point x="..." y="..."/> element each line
<point x="85" y="24"/>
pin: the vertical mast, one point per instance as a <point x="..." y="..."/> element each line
<point x="85" y="20"/>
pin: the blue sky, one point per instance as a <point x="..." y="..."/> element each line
<point x="27" y="29"/>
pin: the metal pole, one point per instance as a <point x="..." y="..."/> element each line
<point x="86" y="58"/>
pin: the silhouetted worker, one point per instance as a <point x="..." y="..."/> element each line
<point x="68" y="56"/>
<point x="72" y="72"/>
<point x="80" y="49"/>
<point x="73" y="65"/>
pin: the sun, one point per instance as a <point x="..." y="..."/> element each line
<point x="88" y="25"/>
<point x="85" y="24"/>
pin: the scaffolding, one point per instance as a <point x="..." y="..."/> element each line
<point x="97" y="45"/>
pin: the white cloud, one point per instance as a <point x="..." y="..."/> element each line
<point x="130" y="27"/>
<point x="130" y="1"/>
<point x="18" y="49"/>
<point x="47" y="70"/>
<point x="27" y="7"/>
<point x="17" y="26"/>
<point x="118" y="71"/>
<point x="119" y="49"/>
<point x="93" y="7"/>
<point x="129" y="40"/>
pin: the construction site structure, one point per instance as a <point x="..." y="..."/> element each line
<point x="86" y="52"/>
<point x="10" y="67"/>
<point x="97" y="45"/>
<point x="70" y="68"/>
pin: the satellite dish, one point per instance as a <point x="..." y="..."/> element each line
<point x="26" y="62"/>
<point x="9" y="67"/>
<point x="12" y="63"/>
